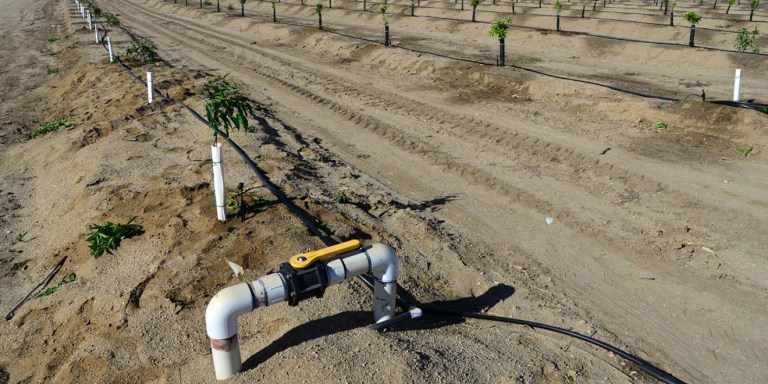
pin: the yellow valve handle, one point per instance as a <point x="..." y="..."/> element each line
<point x="304" y="260"/>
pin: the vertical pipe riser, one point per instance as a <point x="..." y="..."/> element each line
<point x="737" y="85"/>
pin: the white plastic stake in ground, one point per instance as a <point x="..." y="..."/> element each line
<point x="150" y="88"/>
<point x="96" y="29"/>
<point x="109" y="47"/>
<point x="218" y="182"/>
<point x="736" y="85"/>
<point x="90" y="25"/>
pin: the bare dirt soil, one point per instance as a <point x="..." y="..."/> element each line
<point x="657" y="237"/>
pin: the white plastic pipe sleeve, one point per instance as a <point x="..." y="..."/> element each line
<point x="736" y="85"/>
<point x="90" y="24"/>
<point x="150" y="88"/>
<point x="109" y="47"/>
<point x="96" y="30"/>
<point x="218" y="182"/>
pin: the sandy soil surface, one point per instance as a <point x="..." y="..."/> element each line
<point x="656" y="244"/>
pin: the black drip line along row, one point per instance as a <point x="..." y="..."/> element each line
<point x="760" y="107"/>
<point x="406" y="306"/>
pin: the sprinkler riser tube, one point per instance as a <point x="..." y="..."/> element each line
<point x="736" y="85"/>
<point x="221" y="316"/>
<point x="218" y="182"/>
<point x="150" y="88"/>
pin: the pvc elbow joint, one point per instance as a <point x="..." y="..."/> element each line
<point x="383" y="259"/>
<point x="224" y="309"/>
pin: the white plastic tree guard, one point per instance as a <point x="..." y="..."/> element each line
<point x="150" y="88"/>
<point x="218" y="182"/>
<point x="109" y="48"/>
<point x="225" y="307"/>
<point x="737" y="85"/>
<point x="90" y="24"/>
<point x="96" y="32"/>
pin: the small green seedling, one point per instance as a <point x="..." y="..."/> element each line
<point x="14" y="250"/>
<point x="51" y="127"/>
<point x="745" y="43"/>
<point x="112" y="19"/>
<point x="383" y="10"/>
<point x="50" y="291"/>
<point x="323" y="226"/>
<point x="558" y="6"/>
<point x="73" y="46"/>
<point x="745" y="151"/>
<point x="341" y="198"/>
<point x="52" y="39"/>
<point x="106" y="237"/>
<point x="54" y="70"/>
<point x="692" y="17"/>
<point x="230" y="7"/>
<point x="226" y="108"/>
<point x="144" y="50"/>
<point x="20" y="238"/>
<point x="660" y="126"/>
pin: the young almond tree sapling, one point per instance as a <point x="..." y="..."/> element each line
<point x="474" y="4"/>
<point x="693" y="18"/>
<point x="498" y="30"/>
<point x="558" y="7"/>
<point x="752" y="7"/>
<point x="274" y="13"/>
<point x="383" y="10"/>
<point x="242" y="7"/>
<point x="672" y="15"/>
<point x="730" y="2"/>
<point x="319" y="10"/>
<point x="745" y="43"/>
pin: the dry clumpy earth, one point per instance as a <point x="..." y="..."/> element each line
<point x="657" y="237"/>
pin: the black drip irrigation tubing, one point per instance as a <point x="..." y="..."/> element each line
<point x="643" y="365"/>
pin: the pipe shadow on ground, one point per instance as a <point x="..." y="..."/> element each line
<point x="346" y="321"/>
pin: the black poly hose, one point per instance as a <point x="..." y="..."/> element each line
<point x="645" y="366"/>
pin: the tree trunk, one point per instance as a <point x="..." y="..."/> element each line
<point x="583" y="8"/>
<point x="539" y="3"/>
<point x="330" y="3"/>
<point x="594" y="6"/>
<point x="751" y="12"/>
<point x="665" y="8"/>
<point x="218" y="8"/>
<point x="386" y="35"/>
<point x="242" y="10"/>
<point x="473" y="14"/>
<point x="671" y="19"/>
<point x="501" y="52"/>
<point x="513" y="8"/>
<point x="320" y="20"/>
<point x="715" y="6"/>
<point x="412" y="6"/>
<point x="729" y="8"/>
<point x="274" y="14"/>
<point x="558" y="23"/>
<point x="462" y="5"/>
<point x="693" y="33"/>
<point x="201" y="4"/>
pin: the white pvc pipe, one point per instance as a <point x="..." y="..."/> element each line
<point x="225" y="307"/>
<point x="90" y="25"/>
<point x="218" y="182"/>
<point x="96" y="29"/>
<point x="736" y="84"/>
<point x="109" y="46"/>
<point x="150" y="88"/>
